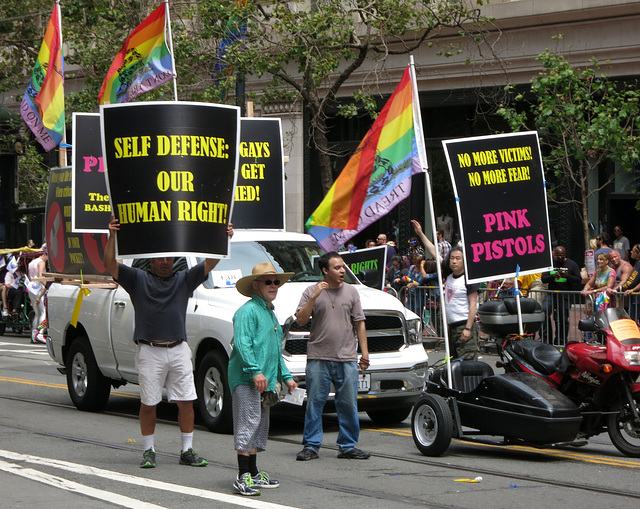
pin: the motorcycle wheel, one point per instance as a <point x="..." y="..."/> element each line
<point x="624" y="433"/>
<point x="431" y="425"/>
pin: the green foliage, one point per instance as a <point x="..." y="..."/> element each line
<point x="33" y="178"/>
<point x="300" y="52"/>
<point x="584" y="118"/>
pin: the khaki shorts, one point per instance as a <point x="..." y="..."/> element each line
<point x="160" y="367"/>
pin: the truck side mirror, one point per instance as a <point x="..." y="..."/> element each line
<point x="370" y="277"/>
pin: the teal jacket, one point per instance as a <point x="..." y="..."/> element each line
<point x="257" y="346"/>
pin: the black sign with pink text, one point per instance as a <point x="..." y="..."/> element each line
<point x="90" y="209"/>
<point x="502" y="205"/>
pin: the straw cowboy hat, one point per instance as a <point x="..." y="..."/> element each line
<point x="245" y="286"/>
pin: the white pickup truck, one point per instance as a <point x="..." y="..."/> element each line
<point x="99" y="352"/>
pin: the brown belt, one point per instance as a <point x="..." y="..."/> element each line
<point x="161" y="344"/>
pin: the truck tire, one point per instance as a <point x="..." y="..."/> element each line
<point x="432" y="425"/>
<point x="214" y="398"/>
<point x="389" y="415"/>
<point x="88" y="387"/>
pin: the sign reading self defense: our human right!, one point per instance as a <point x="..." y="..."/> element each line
<point x="171" y="170"/>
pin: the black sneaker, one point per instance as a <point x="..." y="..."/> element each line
<point x="306" y="455"/>
<point x="148" y="459"/>
<point x="262" y="480"/>
<point x="189" y="457"/>
<point x="354" y="454"/>
<point x="245" y="485"/>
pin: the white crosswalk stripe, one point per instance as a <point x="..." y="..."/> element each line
<point x="135" y="480"/>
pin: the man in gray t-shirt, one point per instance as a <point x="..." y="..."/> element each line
<point x="336" y="329"/>
<point x="163" y="359"/>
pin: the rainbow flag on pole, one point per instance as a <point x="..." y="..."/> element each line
<point x="42" y="106"/>
<point x="378" y="175"/>
<point x="143" y="63"/>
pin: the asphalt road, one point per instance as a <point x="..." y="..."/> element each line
<point x="52" y="455"/>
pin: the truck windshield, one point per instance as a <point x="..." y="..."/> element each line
<point x="301" y="258"/>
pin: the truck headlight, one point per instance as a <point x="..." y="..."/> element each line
<point x="633" y="358"/>
<point x="414" y="331"/>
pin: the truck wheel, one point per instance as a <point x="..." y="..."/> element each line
<point x="431" y="425"/>
<point x="624" y="431"/>
<point x="389" y="415"/>
<point x="88" y="387"/>
<point x="214" y="399"/>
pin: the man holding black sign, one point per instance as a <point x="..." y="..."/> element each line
<point x="461" y="301"/>
<point x="160" y="299"/>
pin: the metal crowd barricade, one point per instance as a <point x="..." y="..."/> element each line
<point x="424" y="301"/>
<point x="562" y="311"/>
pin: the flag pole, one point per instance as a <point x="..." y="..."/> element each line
<point x="173" y="61"/>
<point x="62" y="151"/>
<point x="428" y="194"/>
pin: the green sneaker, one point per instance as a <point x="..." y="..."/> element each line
<point x="189" y="457"/>
<point x="148" y="459"/>
<point x="262" y="480"/>
<point x="245" y="486"/>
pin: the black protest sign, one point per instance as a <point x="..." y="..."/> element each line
<point x="69" y="252"/>
<point x="90" y="209"/>
<point x="502" y="204"/>
<point x="171" y="170"/>
<point x="371" y="259"/>
<point x="259" y="198"/>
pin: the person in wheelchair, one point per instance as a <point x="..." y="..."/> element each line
<point x="14" y="290"/>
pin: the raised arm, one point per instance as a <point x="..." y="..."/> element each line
<point x="109" y="260"/>
<point x="428" y="245"/>
<point x="210" y="263"/>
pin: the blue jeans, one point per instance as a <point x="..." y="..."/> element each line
<point x="319" y="376"/>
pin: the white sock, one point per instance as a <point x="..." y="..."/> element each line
<point x="187" y="441"/>
<point x="147" y="442"/>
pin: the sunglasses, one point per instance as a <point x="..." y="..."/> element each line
<point x="269" y="282"/>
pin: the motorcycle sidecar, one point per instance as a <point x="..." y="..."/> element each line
<point x="517" y="406"/>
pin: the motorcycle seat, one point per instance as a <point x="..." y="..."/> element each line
<point x="466" y="375"/>
<point x="543" y="357"/>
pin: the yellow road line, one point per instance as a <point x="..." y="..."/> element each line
<point x="60" y="386"/>
<point x="587" y="458"/>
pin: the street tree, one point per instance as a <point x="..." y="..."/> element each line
<point x="308" y="50"/>
<point x="584" y="118"/>
<point x="305" y="51"/>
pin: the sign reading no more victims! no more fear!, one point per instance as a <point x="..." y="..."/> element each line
<point x="502" y="204"/>
<point x="171" y="170"/>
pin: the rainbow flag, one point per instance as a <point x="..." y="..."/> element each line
<point x="378" y="175"/>
<point x="142" y="64"/>
<point x="42" y="106"/>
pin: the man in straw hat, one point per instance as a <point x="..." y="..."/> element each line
<point x="255" y="365"/>
<point x="160" y="298"/>
<point x="332" y="357"/>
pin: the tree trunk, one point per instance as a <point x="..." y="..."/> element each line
<point x="584" y="190"/>
<point x="324" y="160"/>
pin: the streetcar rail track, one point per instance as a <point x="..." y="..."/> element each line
<point x="420" y="460"/>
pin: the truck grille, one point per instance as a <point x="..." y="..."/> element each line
<point x="384" y="334"/>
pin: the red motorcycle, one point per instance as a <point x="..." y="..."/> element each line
<point x="600" y="376"/>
